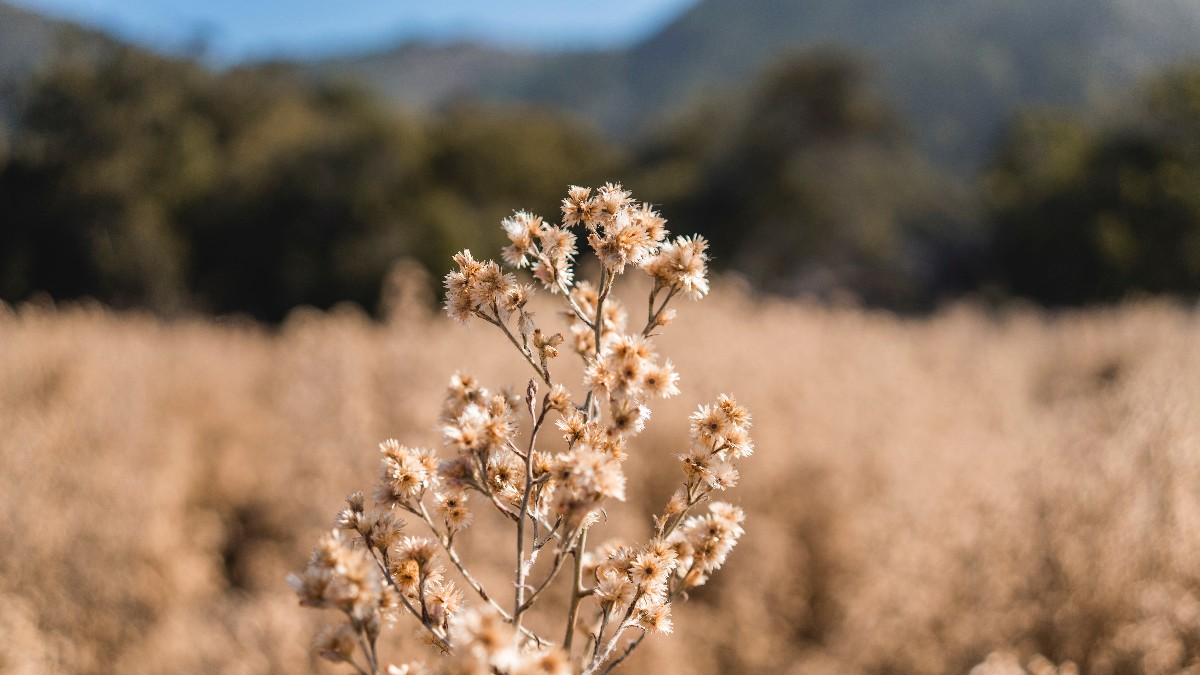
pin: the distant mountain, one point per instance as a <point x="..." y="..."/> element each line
<point x="25" y="40"/>
<point x="423" y="76"/>
<point x="956" y="67"/>
<point x="29" y="40"/>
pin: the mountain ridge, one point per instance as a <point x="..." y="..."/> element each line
<point x="957" y="69"/>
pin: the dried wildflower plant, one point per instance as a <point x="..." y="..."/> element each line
<point x="551" y="487"/>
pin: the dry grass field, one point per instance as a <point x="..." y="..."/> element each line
<point x="925" y="492"/>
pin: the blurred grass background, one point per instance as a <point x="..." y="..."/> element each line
<point x="925" y="491"/>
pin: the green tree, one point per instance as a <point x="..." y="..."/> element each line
<point x="105" y="151"/>
<point x="813" y="186"/>
<point x="146" y="181"/>
<point x="1084" y="214"/>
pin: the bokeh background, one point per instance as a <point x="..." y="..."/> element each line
<point x="957" y="250"/>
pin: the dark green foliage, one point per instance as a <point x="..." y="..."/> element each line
<point x="813" y="185"/>
<point x="152" y="182"/>
<point x="147" y="181"/>
<point x="1083" y="214"/>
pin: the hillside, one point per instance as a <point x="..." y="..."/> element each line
<point x="957" y="68"/>
<point x="423" y="76"/>
<point x="25" y="40"/>
<point x="28" y="40"/>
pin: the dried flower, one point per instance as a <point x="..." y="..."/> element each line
<point x="682" y="266"/>
<point x="372" y="570"/>
<point x="335" y="643"/>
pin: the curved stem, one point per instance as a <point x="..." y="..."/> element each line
<point x="544" y="374"/>
<point x="367" y="651"/>
<point x="357" y="667"/>
<point x="605" y="615"/>
<point x="598" y="325"/>
<point x="628" y="650"/>
<point x="612" y="642"/>
<point x="606" y="285"/>
<point x="519" y="592"/>
<point x="559" y="558"/>
<point x="471" y="581"/>
<point x="651" y="314"/>
<point x="576" y="591"/>
<point x="562" y="287"/>
<point x="382" y="561"/>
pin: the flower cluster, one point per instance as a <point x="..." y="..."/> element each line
<point x="374" y="570"/>
<point x="720" y="435"/>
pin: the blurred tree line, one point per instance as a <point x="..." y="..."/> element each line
<point x="151" y="182"/>
<point x="147" y="181"/>
<point x="1083" y="212"/>
<point x="812" y="184"/>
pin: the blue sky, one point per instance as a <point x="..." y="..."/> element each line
<point x="241" y="29"/>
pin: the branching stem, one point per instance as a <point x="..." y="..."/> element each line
<point x="624" y="655"/>
<point x="559" y="558"/>
<point x="495" y="321"/>
<point x="576" y="590"/>
<point x="382" y="561"/>
<point x="519" y="593"/>
<point x="597" y="661"/>
<point x="653" y="315"/>
<point x="367" y="651"/>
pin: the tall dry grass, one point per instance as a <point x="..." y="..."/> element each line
<point x="925" y="492"/>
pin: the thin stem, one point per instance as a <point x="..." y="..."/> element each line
<point x="652" y="315"/>
<point x="558" y="282"/>
<point x="678" y="590"/>
<point x="495" y="321"/>
<point x="471" y="581"/>
<point x="587" y="405"/>
<point x="519" y="592"/>
<point x="366" y="651"/>
<point x="549" y="535"/>
<point x="537" y="522"/>
<point x="371" y="641"/>
<point x="590" y="645"/>
<point x="692" y="500"/>
<point x="606" y="285"/>
<point x="482" y="487"/>
<point x="628" y="650"/>
<point x="453" y="555"/>
<point x="357" y="667"/>
<point x="576" y="591"/>
<point x="500" y="506"/>
<point x="612" y="642"/>
<point x="382" y="561"/>
<point x="604" y="616"/>
<point x="516" y="451"/>
<point x="421" y="578"/>
<point x="562" y="286"/>
<point x="559" y="558"/>
<point x="650" y="304"/>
